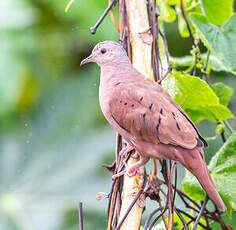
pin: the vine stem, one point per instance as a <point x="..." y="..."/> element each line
<point x="93" y="29"/>
<point x="200" y="213"/>
<point x="113" y="18"/>
<point x="80" y="212"/>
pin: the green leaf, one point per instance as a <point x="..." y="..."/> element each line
<point x="223" y="171"/>
<point x="223" y="91"/>
<point x="196" y="97"/>
<point x="167" y="12"/>
<point x="213" y="113"/>
<point x="188" y="60"/>
<point x="220" y="40"/>
<point x="217" y="11"/>
<point x="216" y="65"/>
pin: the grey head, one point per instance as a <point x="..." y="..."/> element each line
<point x="107" y="53"/>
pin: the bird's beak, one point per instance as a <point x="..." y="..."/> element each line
<point x="87" y="60"/>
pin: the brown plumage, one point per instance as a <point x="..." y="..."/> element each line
<point x="147" y="117"/>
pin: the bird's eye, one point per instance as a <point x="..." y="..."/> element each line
<point x="103" y="50"/>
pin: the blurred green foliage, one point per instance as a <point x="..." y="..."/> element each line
<point x="53" y="136"/>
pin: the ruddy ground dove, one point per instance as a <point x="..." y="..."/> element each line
<point x="147" y="117"/>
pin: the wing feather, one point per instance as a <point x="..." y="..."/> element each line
<point x="151" y="116"/>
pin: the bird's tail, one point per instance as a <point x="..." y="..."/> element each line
<point x="202" y="174"/>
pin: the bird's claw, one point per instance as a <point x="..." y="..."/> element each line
<point x="129" y="171"/>
<point x="132" y="172"/>
<point x="123" y="153"/>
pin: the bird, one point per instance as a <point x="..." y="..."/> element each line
<point x="147" y="117"/>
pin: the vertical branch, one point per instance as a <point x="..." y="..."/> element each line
<point x="113" y="18"/>
<point x="138" y="24"/>
<point x="80" y="212"/>
<point x="190" y="34"/>
<point x="186" y="21"/>
<point x="122" y="21"/>
<point x="155" y="43"/>
<point x="133" y="199"/>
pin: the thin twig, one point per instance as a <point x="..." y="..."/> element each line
<point x="111" y="206"/>
<point x="122" y="21"/>
<point x="223" y="136"/>
<point x="94" y="28"/>
<point x="133" y="203"/>
<point x="166" y="48"/>
<point x="113" y="18"/>
<point x="80" y="212"/>
<point x="185" y="226"/>
<point x="170" y="195"/>
<point x="200" y="213"/>
<point x="163" y="216"/>
<point x="175" y="186"/>
<point x="155" y="166"/>
<point x="155" y="41"/>
<point x="150" y="217"/>
<point x="128" y="210"/>
<point x="189" y="216"/>
<point x="113" y="192"/>
<point x="162" y="213"/>
<point x="118" y="148"/>
<point x="169" y="68"/>
<point x="190" y="34"/>
<point x="206" y="65"/>
<point x="186" y="21"/>
<point x="182" y="194"/>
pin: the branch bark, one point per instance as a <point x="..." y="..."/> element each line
<point x="141" y="38"/>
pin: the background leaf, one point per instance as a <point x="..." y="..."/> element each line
<point x="217" y="11"/>
<point x="195" y="97"/>
<point x="223" y="91"/>
<point x="220" y="40"/>
<point x="168" y="14"/>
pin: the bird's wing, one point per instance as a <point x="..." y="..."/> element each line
<point x="150" y="116"/>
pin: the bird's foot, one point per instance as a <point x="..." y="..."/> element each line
<point x="129" y="171"/>
<point x="117" y="175"/>
<point x="132" y="172"/>
<point x="123" y="153"/>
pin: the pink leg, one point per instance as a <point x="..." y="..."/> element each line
<point x="125" y="151"/>
<point x="132" y="169"/>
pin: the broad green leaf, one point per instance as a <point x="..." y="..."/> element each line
<point x="195" y="97"/>
<point x="217" y="11"/>
<point x="220" y="40"/>
<point x="223" y="171"/>
<point x="223" y="91"/>
<point x="213" y="62"/>
<point x="167" y="13"/>
<point x="216" y="65"/>
<point x="211" y="112"/>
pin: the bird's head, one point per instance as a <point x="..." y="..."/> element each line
<point x="107" y="52"/>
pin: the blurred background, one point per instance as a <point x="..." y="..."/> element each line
<point x="53" y="137"/>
